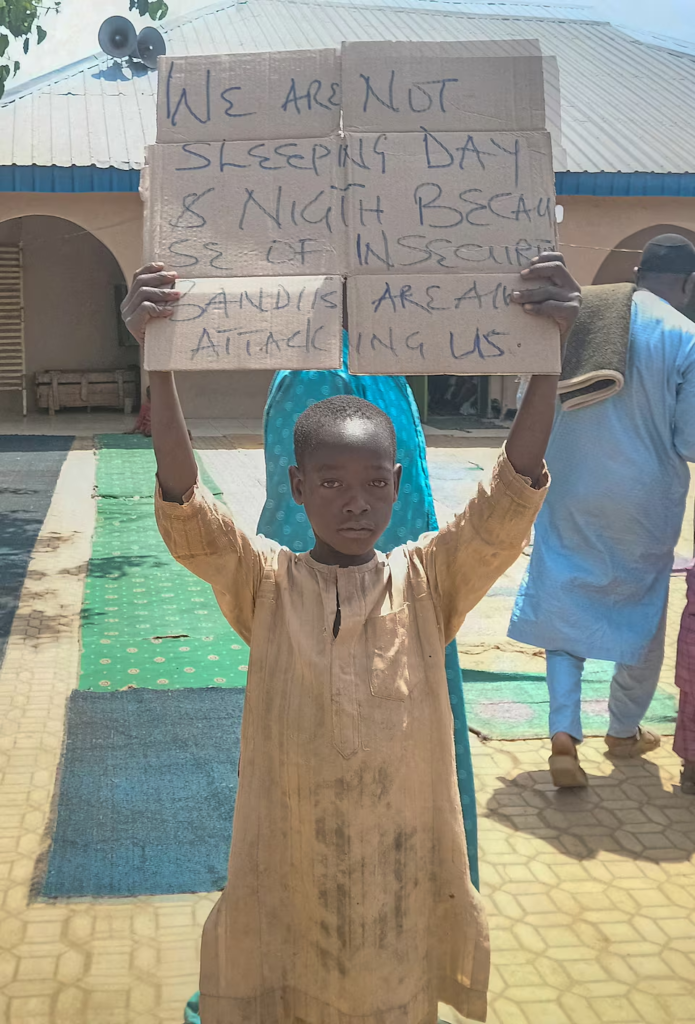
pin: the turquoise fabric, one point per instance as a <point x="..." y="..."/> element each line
<point x="291" y="392"/>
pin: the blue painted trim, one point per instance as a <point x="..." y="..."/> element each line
<point x="567" y="183"/>
<point x="641" y="183"/>
<point x="67" y="179"/>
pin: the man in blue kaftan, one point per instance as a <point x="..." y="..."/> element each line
<point x="597" y="583"/>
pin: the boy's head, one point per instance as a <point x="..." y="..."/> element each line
<point x="346" y="474"/>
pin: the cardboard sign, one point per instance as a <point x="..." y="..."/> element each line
<point x="442" y="186"/>
<point x="288" y="94"/>
<point x="479" y="86"/>
<point x="445" y="202"/>
<point x="256" y="323"/>
<point x="449" y="323"/>
<point x="222" y="209"/>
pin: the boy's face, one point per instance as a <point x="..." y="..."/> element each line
<point x="348" y="485"/>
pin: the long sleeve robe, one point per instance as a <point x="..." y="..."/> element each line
<point x="598" y="578"/>
<point x="349" y="898"/>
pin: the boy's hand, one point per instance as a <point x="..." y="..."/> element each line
<point x="552" y="291"/>
<point x="150" y="295"/>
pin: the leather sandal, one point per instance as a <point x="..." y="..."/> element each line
<point x="566" y="771"/>
<point x="633" y="746"/>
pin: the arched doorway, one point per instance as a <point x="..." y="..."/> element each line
<point x="619" y="264"/>
<point x="72" y="285"/>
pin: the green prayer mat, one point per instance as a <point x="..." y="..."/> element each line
<point x="147" y="621"/>
<point x="514" y="706"/>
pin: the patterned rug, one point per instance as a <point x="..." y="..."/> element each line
<point x="146" y="621"/>
<point x="510" y="705"/>
<point x="29" y="470"/>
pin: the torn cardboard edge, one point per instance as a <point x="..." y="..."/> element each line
<point x="283" y="94"/>
<point x="446" y="324"/>
<point x="271" y="323"/>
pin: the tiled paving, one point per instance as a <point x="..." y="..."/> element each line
<point x="591" y="895"/>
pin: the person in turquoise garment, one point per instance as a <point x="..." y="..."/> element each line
<point x="293" y="391"/>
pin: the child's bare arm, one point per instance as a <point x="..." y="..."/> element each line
<point x="551" y="292"/>
<point x="152" y="295"/>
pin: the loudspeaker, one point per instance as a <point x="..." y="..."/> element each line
<point x="150" y="45"/>
<point x="117" y="37"/>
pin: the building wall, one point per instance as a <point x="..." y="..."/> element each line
<point x="68" y="288"/>
<point x="70" y="319"/>
<point x="591" y="227"/>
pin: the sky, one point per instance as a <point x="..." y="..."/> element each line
<point x="73" y="32"/>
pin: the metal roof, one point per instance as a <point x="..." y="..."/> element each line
<point x="627" y="106"/>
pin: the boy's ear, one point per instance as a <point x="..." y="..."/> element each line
<point x="397" y="477"/>
<point x="297" y="485"/>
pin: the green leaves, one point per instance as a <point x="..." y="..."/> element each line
<point x="4" y="43"/>
<point x="19" y="16"/>
<point x="154" y="9"/>
<point x="41" y="34"/>
<point x="158" y="10"/>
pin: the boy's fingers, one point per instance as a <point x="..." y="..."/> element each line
<point x="160" y="279"/>
<point x="542" y="294"/>
<point x="548" y="257"/>
<point x="146" y="287"/>
<point x="149" y="268"/>
<point x="155" y="309"/>
<point x="556" y="272"/>
<point x="164" y="295"/>
<point x="553" y="308"/>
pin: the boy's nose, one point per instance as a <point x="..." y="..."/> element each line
<point x="356" y="505"/>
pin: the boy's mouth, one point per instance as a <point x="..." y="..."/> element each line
<point x="356" y="529"/>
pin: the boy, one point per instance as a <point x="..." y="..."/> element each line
<point x="349" y="899"/>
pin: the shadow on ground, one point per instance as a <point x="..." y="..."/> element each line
<point x="627" y="812"/>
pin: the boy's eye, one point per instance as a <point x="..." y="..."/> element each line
<point x="330" y="483"/>
<point x="379" y="483"/>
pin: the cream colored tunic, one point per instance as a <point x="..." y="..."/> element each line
<point x="348" y="899"/>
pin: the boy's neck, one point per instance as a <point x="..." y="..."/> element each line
<point x="327" y="555"/>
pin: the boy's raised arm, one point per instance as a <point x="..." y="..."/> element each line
<point x="152" y="294"/>
<point x="466" y="557"/>
<point x="552" y="292"/>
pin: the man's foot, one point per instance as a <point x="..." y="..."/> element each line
<point x="633" y="746"/>
<point x="565" y="770"/>
<point x="688" y="778"/>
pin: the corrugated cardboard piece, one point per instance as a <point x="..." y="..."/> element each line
<point x="289" y="94"/>
<point x="220" y="209"/>
<point x="448" y="323"/>
<point x="476" y="86"/>
<point x="268" y="323"/>
<point x="446" y="169"/>
<point x="449" y="180"/>
<point x="446" y="202"/>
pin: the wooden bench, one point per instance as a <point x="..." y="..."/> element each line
<point x="95" y="389"/>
